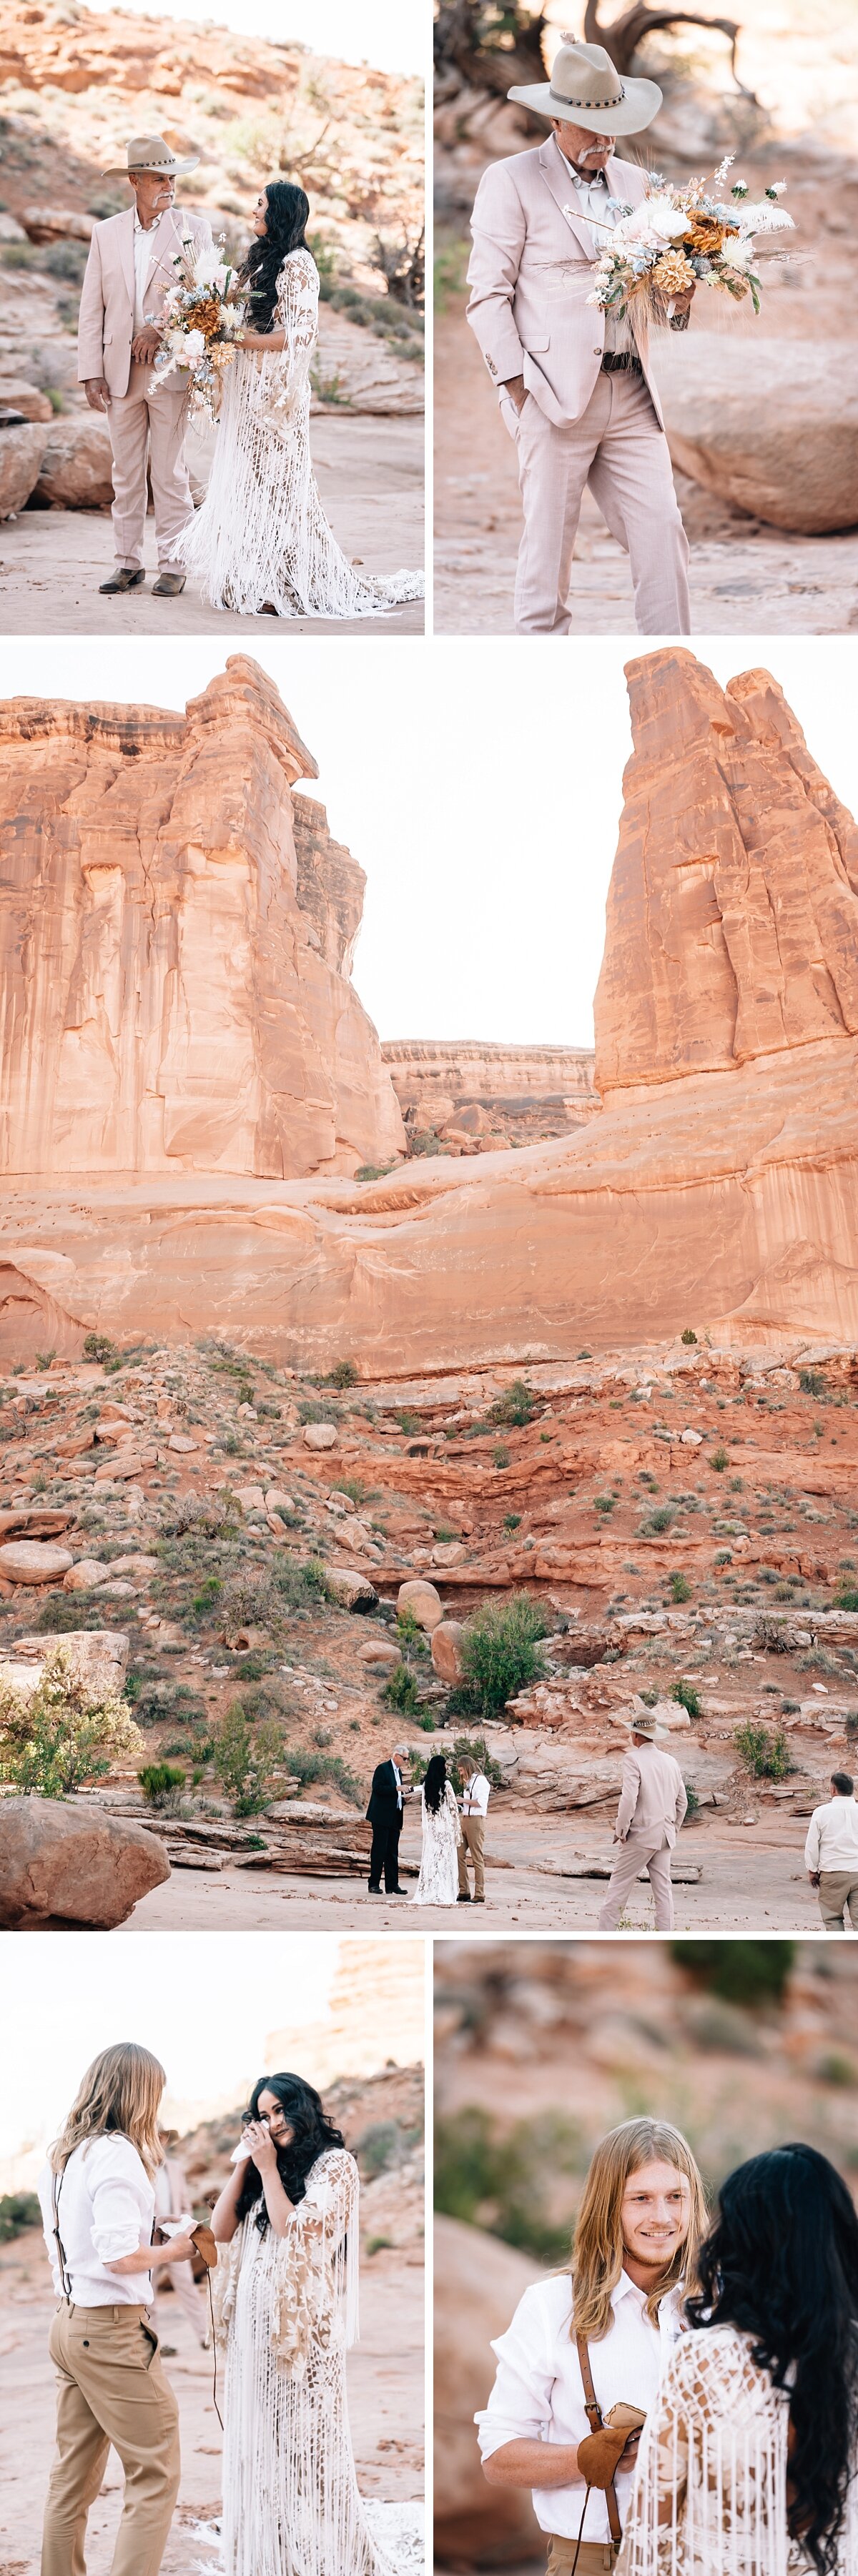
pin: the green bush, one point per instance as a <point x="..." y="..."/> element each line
<point x="246" y="1762"/>
<point x="500" y="1654"/>
<point x="343" y="1374"/>
<point x="658" y="1521"/>
<point x="501" y="1457"/>
<point x="98" y="1346"/>
<point x="513" y="1409"/>
<point x="719" y="1460"/>
<point x="497" y="2182"/>
<point x="59" y="1736"/>
<point x="741" y="1972"/>
<point x="18" y="2211"/>
<point x="400" y="1690"/>
<point x="687" y="1697"/>
<point x="308" y="1768"/>
<point x="470" y="1754"/>
<point x="693" y="1808"/>
<point x="688" y="1335"/>
<point x="680" y="1588"/>
<point x="847" y="1599"/>
<point x="765" y="1752"/>
<point x="812" y="1382"/>
<point x="380" y="2147"/>
<point x="160" y="1783"/>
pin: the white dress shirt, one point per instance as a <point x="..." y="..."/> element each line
<point x="832" y="1836"/>
<point x="475" y="1801"/>
<point x="145" y="244"/>
<point x="538" y="2393"/>
<point x="600" y="217"/>
<point x="398" y="1778"/>
<point x="106" y="2208"/>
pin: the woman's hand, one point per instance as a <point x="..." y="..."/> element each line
<point x="263" y="2153"/>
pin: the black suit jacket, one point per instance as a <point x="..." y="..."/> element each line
<point x="384" y="1808"/>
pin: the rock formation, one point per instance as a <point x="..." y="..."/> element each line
<point x="510" y="1095"/>
<point x="176" y="942"/>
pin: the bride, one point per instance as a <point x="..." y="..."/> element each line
<point x="261" y="539"/>
<point x="438" y="1883"/>
<point x="287" y="2311"/>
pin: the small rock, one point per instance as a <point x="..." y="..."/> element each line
<point x="340" y="1502"/>
<point x="28" y="1561"/>
<point x="11" y="230"/>
<point x="691" y="1439"/>
<point x="247" y="1412"/>
<point x="15" y="393"/>
<point x="56" y="223"/>
<point x="251" y="1498"/>
<point x="446" y="1649"/>
<point x="820" y="1689"/>
<point x="319" y="1435"/>
<point x="277" y="1501"/>
<point x="180" y="1442"/>
<point x="423" y="1602"/>
<point x="448" y="1552"/>
<point x="76" y="465"/>
<point x="21" y="453"/>
<point x="86" y="1575"/>
<point x="351" y="1589"/>
<point x="380" y="1655"/>
<point x="61" y="1863"/>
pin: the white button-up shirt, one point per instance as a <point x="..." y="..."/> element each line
<point x="145" y="245"/>
<point x="832" y="1836"/>
<point x="106" y="2209"/>
<point x="592" y="203"/>
<point x="538" y="2393"/>
<point x="475" y="1801"/>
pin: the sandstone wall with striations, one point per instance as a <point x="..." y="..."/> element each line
<point x="175" y="954"/>
<point x="467" y="1093"/>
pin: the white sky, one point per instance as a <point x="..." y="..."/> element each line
<point x="392" y="35"/>
<point x="479" y="785"/>
<point x="204" y="2004"/>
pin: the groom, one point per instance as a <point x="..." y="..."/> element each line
<point x="575" y="384"/>
<point x="121" y="316"/>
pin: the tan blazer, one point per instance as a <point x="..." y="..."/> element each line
<point x="106" y="320"/>
<point x="652" y="1796"/>
<point x="530" y="275"/>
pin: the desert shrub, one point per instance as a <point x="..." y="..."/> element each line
<point x="719" y="1460"/>
<point x="58" y="1736"/>
<point x="847" y="1598"/>
<point x="343" y="1374"/>
<point x="500" y="1654"/>
<point x="68" y="1610"/>
<point x="693" y="1808"/>
<point x="307" y="1768"/>
<point x="513" y="1409"/>
<point x="512" y="1520"/>
<point x="470" y="1754"/>
<point x="496" y="2182"/>
<point x="741" y="1972"/>
<point x="205" y="1601"/>
<point x="764" y="1751"/>
<point x="161" y="1783"/>
<point x="98" y="1346"/>
<point x="66" y="259"/>
<point x="400" y="1690"/>
<point x="812" y="1382"/>
<point x="657" y="1521"/>
<point x="688" y="1335"/>
<point x="246" y="1762"/>
<point x="605" y="1503"/>
<point x="380" y="2147"/>
<point x="501" y="1457"/>
<point x="409" y="1635"/>
<point x="200" y="1516"/>
<point x="680" y="1588"/>
<point x="318" y="1409"/>
<point x="687" y="1697"/>
<point x="18" y="2210"/>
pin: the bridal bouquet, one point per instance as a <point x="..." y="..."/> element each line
<point x="681" y="237"/>
<point x="203" y="315"/>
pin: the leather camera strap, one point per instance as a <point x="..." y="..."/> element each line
<point x="65" y="2275"/>
<point x="593" y="2413"/>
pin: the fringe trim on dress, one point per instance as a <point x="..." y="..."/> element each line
<point x="713" y="2459"/>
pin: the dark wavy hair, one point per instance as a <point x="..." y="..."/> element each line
<point x="313" y="2133"/>
<point x="286" y="213"/>
<point x="781" y="2264"/>
<point x="435" y="1782"/>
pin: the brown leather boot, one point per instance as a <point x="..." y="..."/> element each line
<point x="169" y="585"/>
<point x="123" y="579"/>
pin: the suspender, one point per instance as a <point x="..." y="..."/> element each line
<point x="57" y="2181"/>
<point x="593" y="2414"/>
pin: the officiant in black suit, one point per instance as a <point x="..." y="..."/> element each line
<point x="384" y="1814"/>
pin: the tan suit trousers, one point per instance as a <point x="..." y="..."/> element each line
<point x="595" y="2557"/>
<point x="838" y="1887"/>
<point x="618" y="449"/>
<point x="473" y="1841"/>
<point x="633" y="1856"/>
<point x="147" y="424"/>
<point x="111" y="2387"/>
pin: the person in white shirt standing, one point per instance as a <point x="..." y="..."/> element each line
<point x="831" y="1854"/>
<point x="475" y="1808"/>
<point x="98" y="2206"/>
<point x="583" y="2349"/>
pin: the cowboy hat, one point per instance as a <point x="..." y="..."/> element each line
<point x="644" y="1721"/>
<point x="584" y="89"/>
<point x="150" y="152"/>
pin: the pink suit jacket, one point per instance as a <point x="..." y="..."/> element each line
<point x="106" y="320"/>
<point x="653" y="1797"/>
<point x="530" y="274"/>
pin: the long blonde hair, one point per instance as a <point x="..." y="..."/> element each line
<point x="597" y="2258"/>
<point x="121" y="2092"/>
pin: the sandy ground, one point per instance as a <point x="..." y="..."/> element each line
<point x="385" y="2380"/>
<point x="370" y="474"/>
<point x="745" y="579"/>
<point x="752" y="1877"/>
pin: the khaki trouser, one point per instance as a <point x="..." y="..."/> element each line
<point x="473" y="1841"/>
<point x="146" y="419"/>
<point x="838" y="1887"/>
<point x="633" y="1856"/>
<point x="111" y="2387"/>
<point x="594" y="2556"/>
<point x="618" y="449"/>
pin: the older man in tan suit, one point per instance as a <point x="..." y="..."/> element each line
<point x="129" y="269"/>
<point x="653" y="1802"/>
<point x="576" y="385"/>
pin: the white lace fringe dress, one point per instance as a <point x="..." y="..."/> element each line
<point x="438" y="1883"/>
<point x="261" y="536"/>
<point x="714" y="2449"/>
<point x="287" y="2310"/>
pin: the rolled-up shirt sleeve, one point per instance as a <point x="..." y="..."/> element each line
<point x="812" y="1845"/>
<point x="519" y="2408"/>
<point x="116" y="2219"/>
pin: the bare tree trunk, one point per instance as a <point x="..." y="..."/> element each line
<point x="622" y="38"/>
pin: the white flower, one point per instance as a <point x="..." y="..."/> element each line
<point x="765" y="218"/>
<point x="206" y="268"/>
<point x="739" y="254"/>
<point x="777" y="188"/>
<point x="193" y="343"/>
<point x="663" y="219"/>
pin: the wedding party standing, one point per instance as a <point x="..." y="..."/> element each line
<point x="749" y="2460"/>
<point x="438" y="1883"/>
<point x="97" y="2197"/>
<point x="576" y="386"/>
<point x="287" y="2313"/>
<point x="261" y="540"/>
<point x="128" y="272"/>
<point x="579" y="2367"/>
<point x="384" y="1814"/>
<point x="475" y="1808"/>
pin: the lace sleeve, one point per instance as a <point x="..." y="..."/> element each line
<point x="711" y="2472"/>
<point x="317" y="2265"/>
<point x="287" y="371"/>
<point x="453" y="1812"/>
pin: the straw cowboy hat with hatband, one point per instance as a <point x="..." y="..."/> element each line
<point x="150" y="152"/>
<point x="585" y="89"/>
<point x="643" y="1721"/>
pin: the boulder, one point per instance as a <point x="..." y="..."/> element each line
<point x="251" y="1498"/>
<point x="380" y="1656"/>
<point x="182" y="1444"/>
<point x="21" y="453"/>
<point x="11" y="230"/>
<point x="76" y="469"/>
<point x="64" y="1863"/>
<point x="448" y="1552"/>
<point x="446" y="1649"/>
<point x="99" y="1656"/>
<point x="277" y="1501"/>
<point x="351" y="1589"/>
<point x="16" y="394"/>
<point x="478" y="2284"/>
<point x="319" y="1435"/>
<point x="56" y="223"/>
<point x="423" y="1602"/>
<point x="744" y="418"/>
<point x="30" y="1560"/>
<point x="86" y="1574"/>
